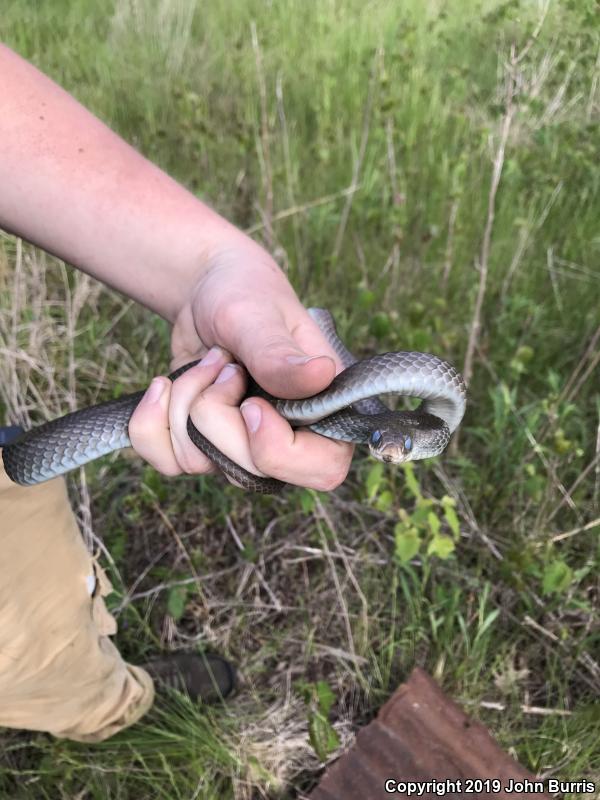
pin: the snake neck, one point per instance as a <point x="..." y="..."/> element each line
<point x="408" y="374"/>
<point x="429" y="434"/>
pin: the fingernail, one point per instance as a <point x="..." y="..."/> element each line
<point x="299" y="359"/>
<point x="228" y="371"/>
<point x="154" y="391"/>
<point x="252" y="415"/>
<point x="213" y="355"/>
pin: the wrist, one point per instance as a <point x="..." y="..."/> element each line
<point x="229" y="268"/>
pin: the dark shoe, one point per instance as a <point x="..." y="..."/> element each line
<point x="205" y="677"/>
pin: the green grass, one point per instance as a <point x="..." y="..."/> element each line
<point x="404" y="105"/>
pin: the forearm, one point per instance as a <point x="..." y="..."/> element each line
<point x="71" y="186"/>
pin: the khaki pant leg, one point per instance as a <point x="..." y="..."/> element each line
<point x="59" y="671"/>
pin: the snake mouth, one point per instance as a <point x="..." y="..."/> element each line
<point x="395" y="451"/>
<point x="392" y="454"/>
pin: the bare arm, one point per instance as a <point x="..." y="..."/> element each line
<point x="93" y="200"/>
<point x="72" y="186"/>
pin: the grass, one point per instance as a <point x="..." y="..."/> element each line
<point x="430" y="173"/>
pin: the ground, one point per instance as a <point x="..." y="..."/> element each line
<point x="430" y="173"/>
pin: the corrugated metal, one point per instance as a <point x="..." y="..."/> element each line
<point x="420" y="735"/>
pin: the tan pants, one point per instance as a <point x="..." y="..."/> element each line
<point x="59" y="671"/>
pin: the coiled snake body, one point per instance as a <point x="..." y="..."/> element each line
<point x="348" y="410"/>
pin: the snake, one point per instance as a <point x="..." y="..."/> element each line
<point x="348" y="410"/>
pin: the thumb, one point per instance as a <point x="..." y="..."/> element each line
<point x="286" y="354"/>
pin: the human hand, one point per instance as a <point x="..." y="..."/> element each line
<point x="243" y="308"/>
<point x="133" y="227"/>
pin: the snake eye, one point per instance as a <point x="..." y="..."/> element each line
<point x="375" y="437"/>
<point x="408" y="443"/>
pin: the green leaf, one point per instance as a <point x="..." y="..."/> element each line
<point x="374" y="479"/>
<point x="524" y="354"/>
<point x="380" y="325"/>
<point x="249" y="552"/>
<point x="307" y="501"/>
<point x="450" y="515"/>
<point x="366" y="298"/>
<point x="562" y="445"/>
<point x="322" y="735"/>
<point x="434" y="523"/>
<point x="325" y="696"/>
<point x="385" y="500"/>
<point x="487" y="622"/>
<point x="416" y="312"/>
<point x="407" y="543"/>
<point x="521" y="359"/>
<point x="503" y="401"/>
<point x="421" y="512"/>
<point x="557" y="577"/>
<point x="411" y="481"/>
<point x="441" y="546"/>
<point x="176" y="601"/>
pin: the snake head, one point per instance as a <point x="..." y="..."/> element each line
<point x="393" y="447"/>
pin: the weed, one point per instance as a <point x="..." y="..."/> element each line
<point x="429" y="172"/>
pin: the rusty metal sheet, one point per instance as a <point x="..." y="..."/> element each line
<point x="424" y="745"/>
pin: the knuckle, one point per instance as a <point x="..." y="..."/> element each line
<point x="270" y="462"/>
<point x="142" y="422"/>
<point x="336" y="475"/>
<point x="272" y="456"/>
<point x="330" y="482"/>
<point x="193" y="461"/>
<point x="186" y="466"/>
<point x="199" y="403"/>
<point x="275" y="342"/>
<point x="196" y="464"/>
<point x="228" y="314"/>
<point x="170" y="472"/>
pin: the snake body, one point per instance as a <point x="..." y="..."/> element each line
<point x="348" y="410"/>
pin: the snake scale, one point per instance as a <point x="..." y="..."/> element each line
<point x="348" y="410"/>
